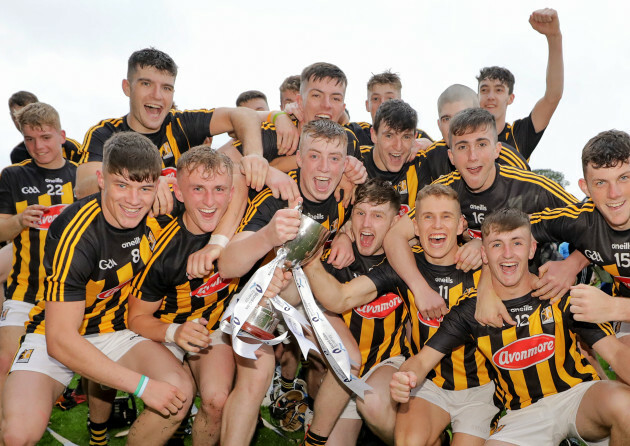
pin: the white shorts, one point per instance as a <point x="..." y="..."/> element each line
<point x="14" y="313"/>
<point x="33" y="356"/>
<point x="350" y="412"/>
<point x="546" y="422"/>
<point x="217" y="337"/>
<point x="622" y="329"/>
<point x="471" y="410"/>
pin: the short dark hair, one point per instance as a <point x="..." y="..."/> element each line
<point x="324" y="129"/>
<point x="249" y="95"/>
<point x="322" y="70"/>
<point x="384" y="78"/>
<point x="150" y="57"/>
<point x="505" y="220"/>
<point x="133" y="156"/>
<point x="606" y="149"/>
<point x="377" y="191"/>
<point x="291" y="83"/>
<point x="470" y="120"/>
<point x="397" y="115"/>
<point x="206" y="158"/>
<point x="22" y="98"/>
<point x="500" y="74"/>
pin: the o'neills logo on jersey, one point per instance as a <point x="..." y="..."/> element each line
<point x="170" y="172"/>
<point x="525" y="352"/>
<point x="381" y="307"/>
<point x="474" y="233"/>
<point x="109" y="293"/>
<point x="624" y="280"/>
<point x="49" y="216"/>
<point x="435" y="323"/>
<point x="129" y="244"/>
<point x="212" y="285"/>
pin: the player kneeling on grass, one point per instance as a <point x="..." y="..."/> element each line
<point x="93" y="250"/>
<point x="168" y="306"/>
<point x="549" y="389"/>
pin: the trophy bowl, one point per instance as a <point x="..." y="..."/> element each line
<point x="311" y="236"/>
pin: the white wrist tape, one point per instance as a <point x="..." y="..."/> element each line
<point x="170" y="332"/>
<point x="218" y="239"/>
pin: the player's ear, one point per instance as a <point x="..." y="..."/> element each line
<point x="532" y="248"/>
<point x="450" y="155"/>
<point x="416" y="231"/>
<point x="126" y="87"/>
<point x="510" y="99"/>
<point x="63" y="136"/>
<point x="178" y="192"/>
<point x="584" y="187"/>
<point x="460" y="226"/>
<point x="497" y="150"/>
<point x="373" y="134"/>
<point x="231" y="193"/>
<point x="99" y="179"/>
<point x="484" y="257"/>
<point x="298" y="157"/>
<point x="367" y="105"/>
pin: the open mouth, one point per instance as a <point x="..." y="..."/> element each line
<point x="153" y="110"/>
<point x="615" y="206"/>
<point x="437" y="240"/>
<point x="207" y="213"/>
<point x="474" y="170"/>
<point x="323" y="116"/>
<point x="130" y="212"/>
<point x="321" y="183"/>
<point x="508" y="267"/>
<point x="366" y="239"/>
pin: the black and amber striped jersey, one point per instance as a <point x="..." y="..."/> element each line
<point x="88" y="260"/>
<point x="437" y="162"/>
<point x="180" y="131"/>
<point x="408" y="181"/>
<point x="70" y="149"/>
<point x="512" y="188"/>
<point x="164" y="279"/>
<point x="378" y="326"/>
<point x="23" y="185"/>
<point x="270" y="141"/>
<point x="585" y="228"/>
<point x="364" y="135"/>
<point x="521" y="135"/>
<point x="464" y="367"/>
<point x="262" y="208"/>
<point x="538" y="357"/>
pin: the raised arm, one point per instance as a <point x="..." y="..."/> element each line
<point x="546" y="22"/>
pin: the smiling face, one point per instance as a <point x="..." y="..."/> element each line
<point x="322" y="99"/>
<point x="150" y="93"/>
<point x="370" y="223"/>
<point x="125" y="202"/>
<point x="474" y="155"/>
<point x="322" y="163"/>
<point x="609" y="188"/>
<point x="206" y="196"/>
<point x="438" y="222"/>
<point x="494" y="96"/>
<point x="391" y="148"/>
<point x="44" y="145"/>
<point x="507" y="255"/>
<point x="378" y="94"/>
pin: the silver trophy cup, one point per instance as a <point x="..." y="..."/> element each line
<point x="311" y="237"/>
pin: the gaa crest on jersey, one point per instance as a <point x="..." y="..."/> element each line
<point x="524" y="353"/>
<point x="50" y="214"/>
<point x="166" y="151"/>
<point x="546" y="315"/>
<point x="24" y="356"/>
<point x="214" y="284"/>
<point x="402" y="187"/>
<point x="379" y="308"/>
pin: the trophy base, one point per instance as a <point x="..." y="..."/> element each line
<point x="257" y="332"/>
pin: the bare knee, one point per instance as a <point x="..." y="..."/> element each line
<point x="212" y="403"/>
<point x="14" y="433"/>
